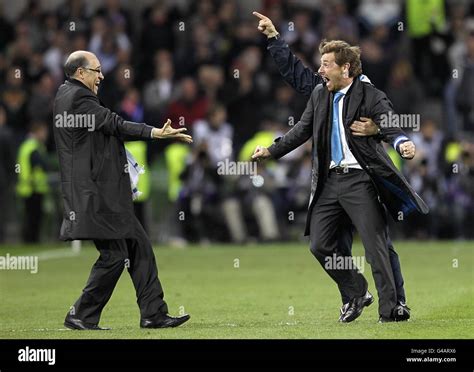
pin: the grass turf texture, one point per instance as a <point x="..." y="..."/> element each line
<point x="277" y="291"/>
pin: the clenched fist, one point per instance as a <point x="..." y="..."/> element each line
<point x="265" y="25"/>
<point x="261" y="153"/>
<point x="407" y="150"/>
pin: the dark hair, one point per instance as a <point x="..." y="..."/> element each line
<point x="72" y="64"/>
<point x="36" y="125"/>
<point x="343" y="53"/>
<point x="215" y="107"/>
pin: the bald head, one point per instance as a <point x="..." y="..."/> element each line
<point x="85" y="67"/>
<point x="79" y="58"/>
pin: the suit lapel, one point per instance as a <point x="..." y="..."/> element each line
<point x="355" y="95"/>
<point x="321" y="111"/>
<point x="321" y="130"/>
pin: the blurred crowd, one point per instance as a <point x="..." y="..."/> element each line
<point x="204" y="65"/>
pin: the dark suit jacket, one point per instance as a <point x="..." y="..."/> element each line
<point x="301" y="78"/>
<point x="362" y="99"/>
<point x="95" y="185"/>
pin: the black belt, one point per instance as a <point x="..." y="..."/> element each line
<point x="344" y="170"/>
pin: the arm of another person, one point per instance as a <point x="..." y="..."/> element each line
<point x="112" y="124"/>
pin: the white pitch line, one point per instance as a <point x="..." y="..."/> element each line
<point x="57" y="253"/>
<point x="40" y="330"/>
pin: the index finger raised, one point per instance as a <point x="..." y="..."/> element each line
<point x="261" y="16"/>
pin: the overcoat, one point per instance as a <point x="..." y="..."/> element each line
<point x="95" y="184"/>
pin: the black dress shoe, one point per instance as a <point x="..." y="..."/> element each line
<point x="77" y="324"/>
<point x="356" y="305"/>
<point x="401" y="312"/>
<point x="343" y="310"/>
<point x="164" y="321"/>
<point x="367" y="300"/>
<point x="384" y="319"/>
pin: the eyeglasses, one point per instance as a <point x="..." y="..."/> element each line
<point x="98" y="70"/>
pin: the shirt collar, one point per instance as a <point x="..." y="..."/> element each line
<point x="77" y="82"/>
<point x="344" y="91"/>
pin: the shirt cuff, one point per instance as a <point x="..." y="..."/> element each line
<point x="398" y="141"/>
<point x="276" y="41"/>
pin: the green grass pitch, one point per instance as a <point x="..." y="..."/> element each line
<point x="253" y="291"/>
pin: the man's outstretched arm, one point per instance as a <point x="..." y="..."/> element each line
<point x="295" y="73"/>
<point x="113" y="124"/>
<point x="298" y="76"/>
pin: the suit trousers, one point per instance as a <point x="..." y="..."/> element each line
<point x="137" y="256"/>
<point x="345" y="239"/>
<point x="353" y="193"/>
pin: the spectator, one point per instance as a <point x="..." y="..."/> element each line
<point x="7" y="171"/>
<point x="105" y="45"/>
<point x="404" y="89"/>
<point x="244" y="93"/>
<point x="54" y="56"/>
<point x="33" y="180"/>
<point x="465" y="93"/>
<point x="189" y="106"/>
<point x="158" y="92"/>
<point x="40" y="104"/>
<point x="211" y="79"/>
<point x="15" y="97"/>
<point x="74" y="16"/>
<point x="116" y="84"/>
<point x="157" y="33"/>
<point x="302" y="35"/>
<point x="373" y="13"/>
<point x="426" y="22"/>
<point x="214" y="134"/>
<point x="117" y="17"/>
<point x="428" y="144"/>
<point x="6" y="31"/>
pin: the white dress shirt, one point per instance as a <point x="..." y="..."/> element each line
<point x="348" y="159"/>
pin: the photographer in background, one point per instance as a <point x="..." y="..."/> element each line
<point x="7" y="171"/>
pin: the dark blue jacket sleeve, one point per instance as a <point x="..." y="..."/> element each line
<point x="300" y="77"/>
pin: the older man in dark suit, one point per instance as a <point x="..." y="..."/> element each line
<point x="351" y="175"/>
<point x="97" y="196"/>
